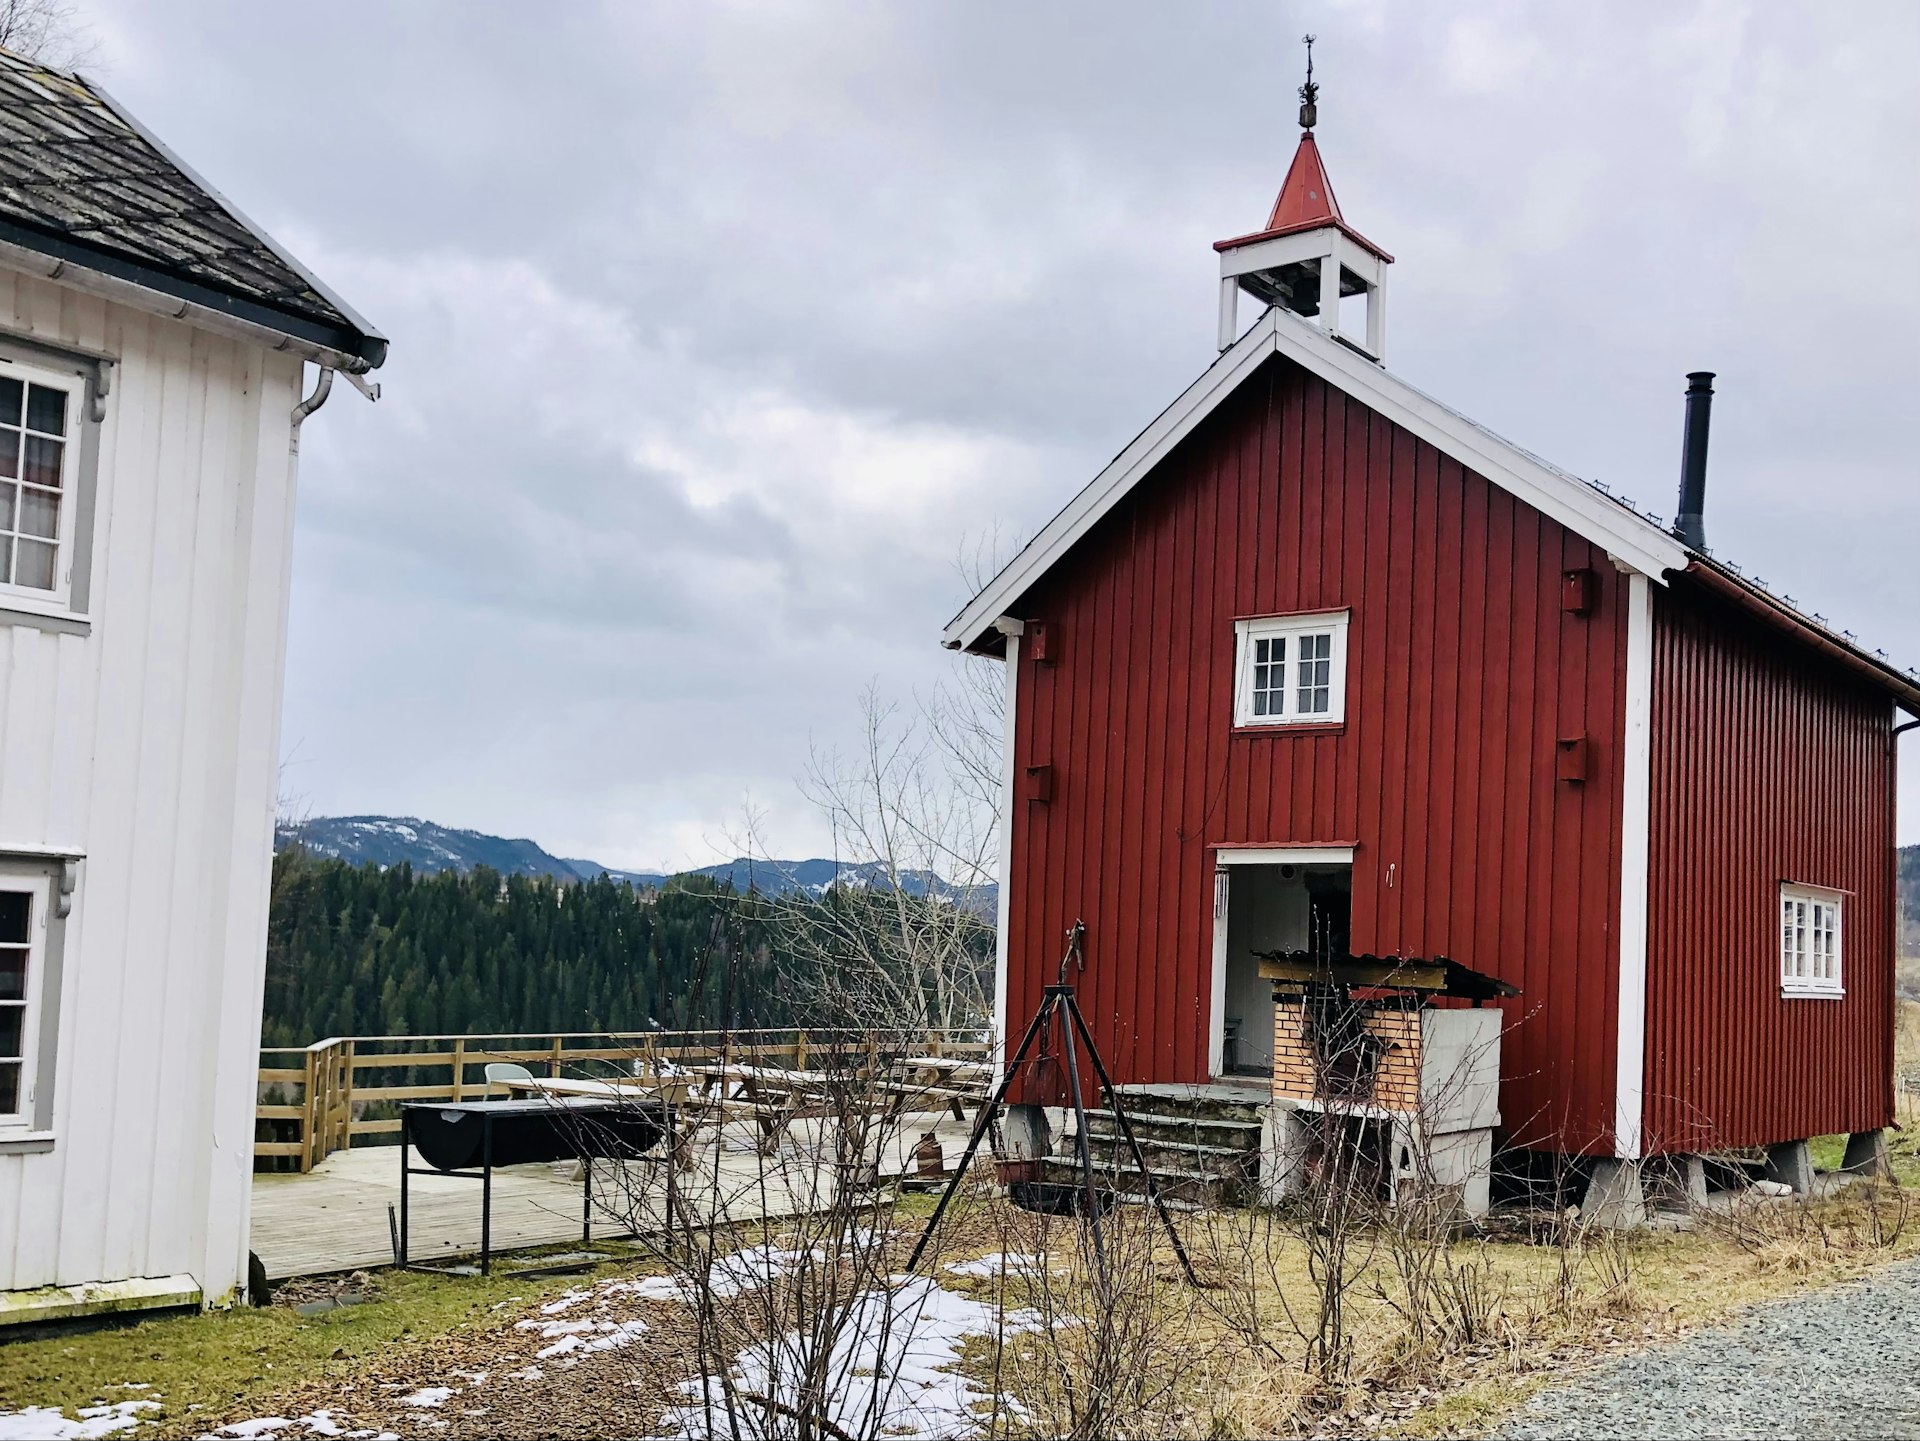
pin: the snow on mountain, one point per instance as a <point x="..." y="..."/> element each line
<point x="391" y="840"/>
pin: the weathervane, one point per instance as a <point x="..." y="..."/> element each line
<point x="1309" y="92"/>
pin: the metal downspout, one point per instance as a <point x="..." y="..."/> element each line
<point x="321" y="388"/>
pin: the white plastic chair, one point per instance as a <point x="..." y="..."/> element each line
<point x="499" y="1073"/>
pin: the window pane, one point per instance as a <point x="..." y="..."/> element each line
<point x="43" y="461"/>
<point x="10" y="394"/>
<point x="1266" y="685"/>
<point x="13" y="973"/>
<point x="47" y="409"/>
<point x="16" y="917"/>
<point x="33" y="564"/>
<point x="9" y="1087"/>
<point x="39" y="513"/>
<point x="8" y="491"/>
<point x="13" y="1029"/>
<point x="6" y="561"/>
<point x="9" y="453"/>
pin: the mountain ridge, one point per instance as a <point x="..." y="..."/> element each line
<point x="431" y="848"/>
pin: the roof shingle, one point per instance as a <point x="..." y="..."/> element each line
<point x="82" y="181"/>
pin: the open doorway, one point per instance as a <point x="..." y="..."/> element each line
<point x="1268" y="902"/>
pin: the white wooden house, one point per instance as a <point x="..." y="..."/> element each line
<point x="155" y="348"/>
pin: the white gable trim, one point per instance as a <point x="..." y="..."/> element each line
<point x="1635" y="542"/>
<point x="1636" y="810"/>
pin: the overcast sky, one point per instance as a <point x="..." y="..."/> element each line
<point x="719" y="329"/>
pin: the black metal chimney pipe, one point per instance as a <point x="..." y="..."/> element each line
<point x="1690" y="523"/>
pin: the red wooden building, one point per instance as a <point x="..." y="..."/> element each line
<point x="1316" y="658"/>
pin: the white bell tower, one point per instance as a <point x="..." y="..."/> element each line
<point x="1307" y="258"/>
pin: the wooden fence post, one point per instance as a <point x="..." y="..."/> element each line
<point x="308" y="1088"/>
<point x="460" y="1069"/>
<point x="553" y="1066"/>
<point x="800" y="1051"/>
<point x="346" y="1099"/>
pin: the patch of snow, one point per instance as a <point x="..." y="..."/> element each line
<point x="317" y="1423"/>
<point x="648" y="1288"/>
<point x="893" y="1360"/>
<point x="428" y="1396"/>
<point x="572" y="1298"/>
<point x="989" y="1267"/>
<point x="526" y="1373"/>
<point x="606" y="1336"/>
<point x="51" y="1423"/>
<point x="624" y="1334"/>
<point x="549" y="1329"/>
<point x="749" y="1269"/>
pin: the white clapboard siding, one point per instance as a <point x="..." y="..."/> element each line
<point x="150" y="744"/>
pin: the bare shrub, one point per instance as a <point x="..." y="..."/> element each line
<point x="778" y="1232"/>
<point x="1792" y="1233"/>
<point x="1110" y="1330"/>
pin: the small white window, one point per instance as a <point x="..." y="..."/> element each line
<point x="1291" y="669"/>
<point x="40" y="417"/>
<point x="23" y="951"/>
<point x="1810" y="941"/>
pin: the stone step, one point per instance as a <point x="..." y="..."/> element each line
<point x="1197" y="1189"/>
<point x="1211" y="1102"/>
<point x="1113" y="1151"/>
<point x="1193" y="1130"/>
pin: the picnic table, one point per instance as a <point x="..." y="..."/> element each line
<point x="773" y="1097"/>
<point x="950" y="1081"/>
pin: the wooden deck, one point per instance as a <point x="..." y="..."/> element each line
<point x="334" y="1217"/>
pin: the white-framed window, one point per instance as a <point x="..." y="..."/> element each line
<point x="1810" y="941"/>
<point x="41" y="413"/>
<point x="1290" y="669"/>
<point x="24" y="900"/>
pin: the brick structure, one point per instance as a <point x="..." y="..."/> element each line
<point x="1396" y="1079"/>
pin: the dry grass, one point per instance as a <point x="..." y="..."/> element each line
<point x="1499" y="1318"/>
<point x="1512" y="1315"/>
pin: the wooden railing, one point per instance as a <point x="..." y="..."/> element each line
<point x="315" y="1100"/>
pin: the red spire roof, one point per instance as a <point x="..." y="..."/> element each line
<point x="1305" y="203"/>
<point x="1306" y="199"/>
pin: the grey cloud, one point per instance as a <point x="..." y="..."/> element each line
<point x="718" y="327"/>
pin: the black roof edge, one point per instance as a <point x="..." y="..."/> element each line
<point x="372" y="349"/>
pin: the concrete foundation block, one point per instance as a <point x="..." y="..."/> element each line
<point x="1867" y="1155"/>
<point x="1676" y="1182"/>
<point x="1025" y="1134"/>
<point x="1614" y="1196"/>
<point x="1791" y="1164"/>
<point x="1285" y="1142"/>
<point x="1462" y="1161"/>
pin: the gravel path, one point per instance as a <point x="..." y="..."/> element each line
<point x="1842" y="1362"/>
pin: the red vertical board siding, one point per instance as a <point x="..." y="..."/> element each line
<point x="1462" y="671"/>
<point x="1769" y="764"/>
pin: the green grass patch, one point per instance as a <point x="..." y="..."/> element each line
<point x="1827" y="1152"/>
<point x="217" y="1359"/>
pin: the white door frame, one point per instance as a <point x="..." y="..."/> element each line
<point x="1225" y="858"/>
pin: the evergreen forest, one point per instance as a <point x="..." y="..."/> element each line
<point x="357" y="950"/>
